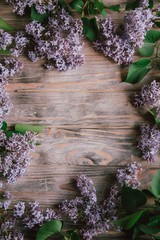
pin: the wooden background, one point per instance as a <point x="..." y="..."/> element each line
<point x="90" y="124"/>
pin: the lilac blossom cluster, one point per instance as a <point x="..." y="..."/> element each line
<point x="98" y="218"/>
<point x="58" y="42"/>
<point x="128" y="175"/>
<point x="8" y="67"/>
<point x="148" y="96"/>
<point x="26" y="215"/>
<point x="42" y="7"/>
<point x="15" y="155"/>
<point x="5" y="39"/>
<point x="149" y="143"/>
<point x="121" y="47"/>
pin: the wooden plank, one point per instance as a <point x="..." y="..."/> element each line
<point x="91" y="125"/>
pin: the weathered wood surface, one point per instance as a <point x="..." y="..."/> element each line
<point x="91" y="125"/>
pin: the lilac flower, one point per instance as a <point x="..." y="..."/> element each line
<point x="8" y="230"/>
<point x="35" y="29"/>
<point x="149" y="143"/>
<point x="136" y="25"/>
<point x="9" y="67"/>
<point x="121" y="46"/>
<point x="50" y="6"/>
<point x="50" y="214"/>
<point x="86" y="211"/>
<point x="128" y="175"/>
<point x="98" y="218"/>
<point x="5" y="39"/>
<point x="33" y="215"/>
<point x="71" y="208"/>
<point x="5" y="200"/>
<point x="144" y="3"/>
<point x="59" y="42"/>
<point x="5" y="106"/>
<point x="110" y="205"/>
<point x="19" y="6"/>
<point x="87" y="189"/>
<point x="19" y="209"/>
<point x="16" y="157"/>
<point x="19" y="43"/>
<point x="112" y="45"/>
<point x="148" y="95"/>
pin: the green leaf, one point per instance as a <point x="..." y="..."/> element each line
<point x="156" y="237"/>
<point x="152" y="36"/>
<point x="132" y="5"/>
<point x="5" y="26"/>
<point x="72" y="235"/>
<point x="9" y="133"/>
<point x="154" y="221"/>
<point x="22" y="128"/>
<point x="132" y="199"/>
<point x="147" y="49"/>
<point x="154" y="113"/>
<point x="148" y="229"/>
<point x="5" y="52"/>
<point x="115" y="8"/>
<point x="90" y="28"/>
<point x="100" y="7"/>
<point x="48" y="229"/>
<point x="157" y="23"/>
<point x="138" y="70"/>
<point x="155" y="184"/>
<point x="4" y="126"/>
<point x="151" y="3"/>
<point x="77" y="5"/>
<point x="64" y="5"/>
<point x="135" y="233"/>
<point x="130" y="220"/>
<point x="37" y="16"/>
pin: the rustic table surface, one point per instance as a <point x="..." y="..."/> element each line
<point x="90" y="124"/>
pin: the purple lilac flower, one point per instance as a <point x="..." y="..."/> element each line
<point x="5" y="200"/>
<point x="43" y="8"/>
<point x="5" y="106"/>
<point x="16" y="157"/>
<point x="59" y="42"/>
<point x="110" y="205"/>
<point x="144" y="3"/>
<point x="87" y="189"/>
<point x="71" y="208"/>
<point x="33" y="215"/>
<point x="19" y="209"/>
<point x="128" y="175"/>
<point x="121" y="46"/>
<point x="19" y="43"/>
<point x="148" y="95"/>
<point x="149" y="143"/>
<point x="23" y="215"/>
<point x="136" y="25"/>
<point x="98" y="218"/>
<point x="8" y="230"/>
<point x="86" y="210"/>
<point x="9" y="67"/>
<point x="111" y="45"/>
<point x="19" y="6"/>
<point x="5" y="39"/>
<point x="50" y="214"/>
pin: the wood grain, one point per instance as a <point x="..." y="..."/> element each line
<point x="90" y="124"/>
